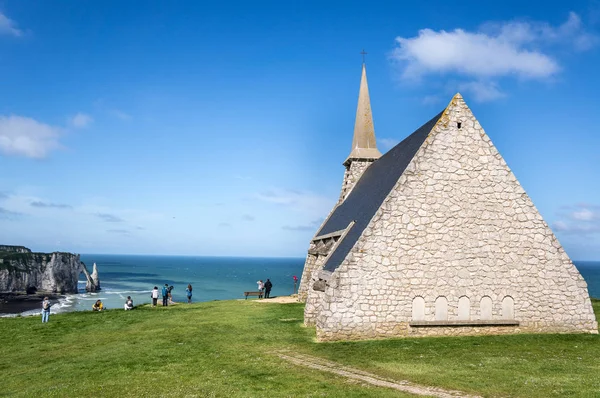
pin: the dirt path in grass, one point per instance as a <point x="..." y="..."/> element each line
<point x="279" y="300"/>
<point x="356" y="374"/>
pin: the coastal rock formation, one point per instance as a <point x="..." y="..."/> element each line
<point x="14" y="249"/>
<point x="24" y="271"/>
<point x="93" y="282"/>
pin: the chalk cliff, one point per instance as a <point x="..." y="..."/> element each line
<point x="22" y="270"/>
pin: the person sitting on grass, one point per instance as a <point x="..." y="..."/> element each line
<point x="128" y="304"/>
<point x="98" y="306"/>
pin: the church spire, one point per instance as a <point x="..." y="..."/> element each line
<point x="363" y="143"/>
<point x="364" y="149"/>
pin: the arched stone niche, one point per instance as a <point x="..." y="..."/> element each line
<point x="508" y="308"/>
<point x="464" y="309"/>
<point x="486" y="308"/>
<point x="418" y="309"/>
<point x="441" y="309"/>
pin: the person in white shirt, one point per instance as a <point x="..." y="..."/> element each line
<point x="154" y="296"/>
<point x="261" y="287"/>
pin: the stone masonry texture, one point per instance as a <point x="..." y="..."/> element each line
<point x="352" y="174"/>
<point x="354" y="171"/>
<point x="457" y="224"/>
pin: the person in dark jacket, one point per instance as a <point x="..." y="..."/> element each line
<point x="188" y="293"/>
<point x="165" y="294"/>
<point x="268" y="286"/>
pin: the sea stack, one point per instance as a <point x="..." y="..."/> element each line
<point x="93" y="283"/>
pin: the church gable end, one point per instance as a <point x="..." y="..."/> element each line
<point x="455" y="247"/>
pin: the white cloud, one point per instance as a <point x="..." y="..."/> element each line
<point x="9" y="27"/>
<point x="290" y="197"/>
<point x="496" y="50"/>
<point x="120" y="114"/>
<point x="581" y="219"/>
<point x="482" y="91"/>
<point x="387" y="143"/>
<point x="470" y="54"/>
<point x="80" y="120"/>
<point x="312" y="226"/>
<point x="109" y="217"/>
<point x="277" y="196"/>
<point x="560" y="226"/>
<point x="431" y="99"/>
<point x="584" y="215"/>
<point x="23" y="136"/>
<point x="102" y="106"/>
<point x="308" y="204"/>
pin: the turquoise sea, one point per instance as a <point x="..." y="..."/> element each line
<point x="212" y="278"/>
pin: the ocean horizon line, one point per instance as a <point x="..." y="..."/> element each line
<point x="188" y="255"/>
<point x="239" y="256"/>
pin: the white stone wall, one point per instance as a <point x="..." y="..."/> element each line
<point x="351" y="176"/>
<point x="307" y="271"/>
<point x="456" y="224"/>
<point x="314" y="298"/>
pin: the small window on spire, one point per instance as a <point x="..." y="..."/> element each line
<point x="459" y="125"/>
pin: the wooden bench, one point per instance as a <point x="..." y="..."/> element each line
<point x="259" y="294"/>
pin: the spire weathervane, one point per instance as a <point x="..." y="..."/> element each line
<point x="363" y="53"/>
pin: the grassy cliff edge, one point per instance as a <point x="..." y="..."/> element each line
<point x="228" y="349"/>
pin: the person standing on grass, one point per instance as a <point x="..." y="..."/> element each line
<point x="188" y="293"/>
<point x="261" y="288"/>
<point x="46" y="309"/>
<point x="154" y="296"/>
<point x="268" y="286"/>
<point x="165" y="294"/>
<point x="171" y="295"/>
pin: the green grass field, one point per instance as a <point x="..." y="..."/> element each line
<point x="228" y="349"/>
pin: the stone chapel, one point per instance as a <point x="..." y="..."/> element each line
<point x="437" y="237"/>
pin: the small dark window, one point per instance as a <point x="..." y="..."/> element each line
<point x="459" y="125"/>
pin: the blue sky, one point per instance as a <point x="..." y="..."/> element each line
<point x="219" y="129"/>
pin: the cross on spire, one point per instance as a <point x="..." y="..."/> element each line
<point x="363" y="53"/>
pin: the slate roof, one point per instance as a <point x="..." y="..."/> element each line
<point x="370" y="191"/>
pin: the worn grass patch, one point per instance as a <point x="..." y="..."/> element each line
<point x="226" y="349"/>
